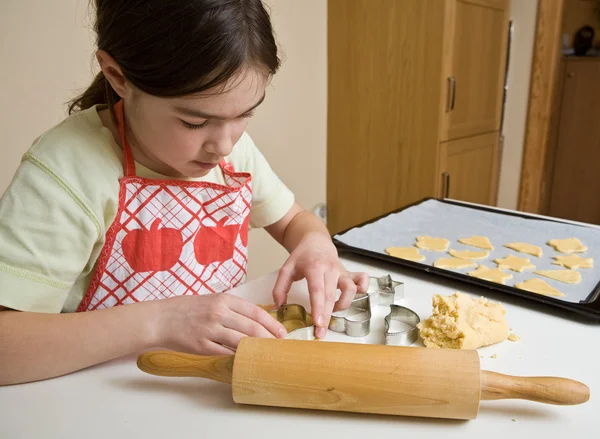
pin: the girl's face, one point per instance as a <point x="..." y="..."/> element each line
<point x="187" y="137"/>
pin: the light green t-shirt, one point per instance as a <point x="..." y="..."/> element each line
<point x="63" y="198"/>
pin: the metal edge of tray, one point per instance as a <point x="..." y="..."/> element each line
<point x="589" y="308"/>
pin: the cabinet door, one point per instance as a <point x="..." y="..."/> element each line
<point x="475" y="67"/>
<point x="470" y="169"/>
<point x="574" y="187"/>
<point x="384" y="65"/>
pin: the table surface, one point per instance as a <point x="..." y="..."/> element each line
<point x="117" y="400"/>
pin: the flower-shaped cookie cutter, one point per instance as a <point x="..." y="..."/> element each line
<point x="356" y="320"/>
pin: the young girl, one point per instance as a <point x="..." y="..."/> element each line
<point x="146" y="192"/>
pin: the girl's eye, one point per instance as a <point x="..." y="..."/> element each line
<point x="192" y="126"/>
<point x="248" y="115"/>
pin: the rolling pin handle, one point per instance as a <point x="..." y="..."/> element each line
<point x="177" y="364"/>
<point x="547" y="390"/>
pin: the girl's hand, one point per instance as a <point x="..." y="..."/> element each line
<point x="212" y="324"/>
<point x="315" y="258"/>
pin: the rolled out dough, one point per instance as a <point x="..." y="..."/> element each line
<point x="434" y="244"/>
<point x="408" y="253"/>
<point x="569" y="245"/>
<point x="573" y="262"/>
<point x="460" y="322"/>
<point x="493" y="275"/>
<point x="539" y="286"/>
<point x="523" y="247"/>
<point x="514" y="263"/>
<point x="454" y="263"/>
<point x="477" y="241"/>
<point x="469" y="254"/>
<point x="566" y="276"/>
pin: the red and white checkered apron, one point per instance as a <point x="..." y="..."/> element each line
<point x="172" y="238"/>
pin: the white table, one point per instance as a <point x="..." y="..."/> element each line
<point x="116" y="400"/>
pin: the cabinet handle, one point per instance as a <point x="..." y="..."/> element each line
<point x="445" y="185"/>
<point x="451" y="93"/>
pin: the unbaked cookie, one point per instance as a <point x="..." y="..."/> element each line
<point x="514" y="263"/>
<point x="566" y="276"/>
<point x="477" y="241"/>
<point x="435" y="244"/>
<point x="454" y="263"/>
<point x="469" y="254"/>
<point x="523" y="247"/>
<point x="569" y="245"/>
<point x="573" y="262"/>
<point x="493" y="275"/>
<point x="539" y="286"/>
<point x="408" y="253"/>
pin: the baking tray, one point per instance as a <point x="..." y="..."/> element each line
<point x="453" y="220"/>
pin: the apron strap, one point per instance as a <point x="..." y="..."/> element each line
<point x="128" y="162"/>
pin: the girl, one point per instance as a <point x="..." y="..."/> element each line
<point x="146" y="192"/>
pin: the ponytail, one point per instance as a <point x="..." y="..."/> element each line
<point x="99" y="92"/>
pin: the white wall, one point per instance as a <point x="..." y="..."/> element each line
<point x="46" y="49"/>
<point x="290" y="126"/>
<point x="523" y="14"/>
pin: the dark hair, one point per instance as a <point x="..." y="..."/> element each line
<point x="179" y="47"/>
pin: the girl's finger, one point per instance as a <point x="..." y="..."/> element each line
<point x="251" y="319"/>
<point x="315" y="278"/>
<point x="331" y="282"/>
<point x="361" y="280"/>
<point x="349" y="289"/>
<point x="283" y="284"/>
<point x="247" y="327"/>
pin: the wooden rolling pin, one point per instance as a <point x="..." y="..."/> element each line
<point x="438" y="383"/>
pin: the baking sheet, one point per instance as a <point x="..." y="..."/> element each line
<point x="443" y="220"/>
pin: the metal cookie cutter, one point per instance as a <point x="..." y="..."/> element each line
<point x="356" y="320"/>
<point x="405" y="318"/>
<point x="384" y="290"/>
<point x="296" y="320"/>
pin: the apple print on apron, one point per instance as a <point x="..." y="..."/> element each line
<point x="172" y="238"/>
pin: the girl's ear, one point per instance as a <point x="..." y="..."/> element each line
<point x="112" y="72"/>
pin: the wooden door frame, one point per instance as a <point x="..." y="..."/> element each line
<point x="535" y="171"/>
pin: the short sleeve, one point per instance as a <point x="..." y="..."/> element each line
<point x="46" y="238"/>
<point x="271" y="198"/>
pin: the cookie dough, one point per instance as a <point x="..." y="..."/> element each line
<point x="454" y="263"/>
<point x="408" y="253"/>
<point x="566" y="276"/>
<point x="573" y="262"/>
<point x="459" y="322"/>
<point x="514" y="337"/>
<point x="435" y="244"/>
<point x="469" y="254"/>
<point x="493" y="275"/>
<point x="477" y="241"/>
<point x="514" y="263"/>
<point x="523" y="247"/>
<point x="539" y="286"/>
<point x="569" y="245"/>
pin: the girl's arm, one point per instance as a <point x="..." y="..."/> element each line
<point x="314" y="257"/>
<point x="36" y="346"/>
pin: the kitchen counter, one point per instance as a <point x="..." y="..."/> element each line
<point x="116" y="400"/>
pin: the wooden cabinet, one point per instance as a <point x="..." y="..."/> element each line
<point x="470" y="168"/>
<point x="573" y="193"/>
<point x="390" y="112"/>
<point x="475" y="64"/>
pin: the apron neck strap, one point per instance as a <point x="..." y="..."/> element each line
<point x="128" y="162"/>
